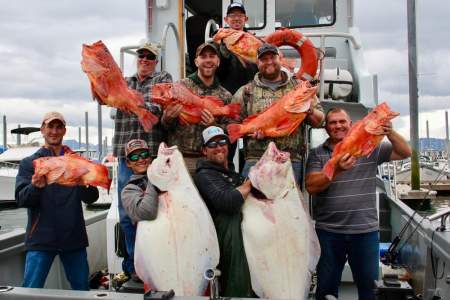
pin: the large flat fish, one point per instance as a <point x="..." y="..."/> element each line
<point x="281" y="245"/>
<point x="174" y="250"/>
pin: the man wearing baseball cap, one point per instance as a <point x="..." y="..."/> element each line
<point x="55" y="215"/>
<point x="139" y="196"/>
<point x="127" y="126"/>
<point x="269" y="85"/>
<point x="203" y="82"/>
<point x="224" y="192"/>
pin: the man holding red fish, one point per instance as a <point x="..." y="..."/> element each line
<point x="269" y="85"/>
<point x="55" y="216"/>
<point x="204" y="82"/>
<point x="345" y="208"/>
<point x="128" y="127"/>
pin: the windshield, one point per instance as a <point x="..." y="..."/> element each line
<point x="304" y="13"/>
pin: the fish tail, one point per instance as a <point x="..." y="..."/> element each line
<point x="329" y="169"/>
<point x="234" y="110"/>
<point x="234" y="132"/>
<point x="147" y="120"/>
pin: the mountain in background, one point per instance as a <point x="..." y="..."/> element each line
<point x="432" y="144"/>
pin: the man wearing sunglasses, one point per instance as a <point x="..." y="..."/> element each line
<point x="224" y="192"/>
<point x="203" y="82"/>
<point x="139" y="196"/>
<point x="127" y="127"/>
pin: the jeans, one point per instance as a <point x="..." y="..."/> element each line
<point x="296" y="167"/>
<point x="129" y="229"/>
<point x="362" y="253"/>
<point x="38" y="263"/>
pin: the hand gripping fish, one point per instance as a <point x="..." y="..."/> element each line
<point x="193" y="105"/>
<point x="280" y="243"/>
<point x="281" y="118"/>
<point x="245" y="46"/>
<point x="362" y="138"/>
<point x="109" y="87"/>
<point x="71" y="170"/>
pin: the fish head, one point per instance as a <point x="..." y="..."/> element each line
<point x="223" y="33"/>
<point x="168" y="168"/>
<point x="381" y="114"/>
<point x="272" y="175"/>
<point x="162" y="93"/>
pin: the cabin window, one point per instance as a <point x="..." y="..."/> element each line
<point x="256" y="13"/>
<point x="304" y="13"/>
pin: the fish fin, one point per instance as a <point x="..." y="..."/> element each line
<point x="147" y="119"/>
<point x="250" y="118"/>
<point x="55" y="174"/>
<point x="234" y="38"/>
<point x="284" y="127"/>
<point x="233" y="110"/>
<point x="214" y="100"/>
<point x="96" y="96"/>
<point x="373" y="128"/>
<point x="234" y="132"/>
<point x="296" y="106"/>
<point x="78" y="172"/>
<point x="190" y="115"/>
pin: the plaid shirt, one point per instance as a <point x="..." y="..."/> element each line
<point x="128" y="127"/>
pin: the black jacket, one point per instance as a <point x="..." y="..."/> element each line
<point x="55" y="215"/>
<point x="217" y="187"/>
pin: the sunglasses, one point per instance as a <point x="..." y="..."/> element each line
<point x="214" y="144"/>
<point x="147" y="56"/>
<point x="135" y="156"/>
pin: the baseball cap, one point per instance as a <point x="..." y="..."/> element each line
<point x="212" y="132"/>
<point x="53" y="115"/>
<point x="265" y="48"/>
<point x="134" y="145"/>
<point x="150" y="47"/>
<point x="236" y="5"/>
<point x="206" y="45"/>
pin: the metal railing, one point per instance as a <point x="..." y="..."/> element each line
<point x="164" y="42"/>
<point x="211" y="24"/>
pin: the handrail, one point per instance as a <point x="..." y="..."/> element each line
<point x="210" y="23"/>
<point x="129" y="50"/>
<point x="322" y="37"/>
<point x="164" y="42"/>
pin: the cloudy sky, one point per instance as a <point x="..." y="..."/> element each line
<point x="41" y="44"/>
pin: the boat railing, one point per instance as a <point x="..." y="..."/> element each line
<point x="10" y="165"/>
<point x="323" y="36"/>
<point x="210" y="24"/>
<point x="163" y="44"/>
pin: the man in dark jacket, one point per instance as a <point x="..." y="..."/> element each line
<point x="55" y="216"/>
<point x="139" y="196"/>
<point x="224" y="192"/>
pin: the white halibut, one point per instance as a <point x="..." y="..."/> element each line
<point x="281" y="245"/>
<point x="174" y="250"/>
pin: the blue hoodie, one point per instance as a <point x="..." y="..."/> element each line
<point x="55" y="214"/>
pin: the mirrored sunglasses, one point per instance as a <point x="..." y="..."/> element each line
<point x="135" y="156"/>
<point x="147" y="56"/>
<point x="214" y="144"/>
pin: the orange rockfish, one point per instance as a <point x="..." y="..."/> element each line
<point x="281" y="118"/>
<point x="169" y="93"/>
<point x="109" y="87"/>
<point x="243" y="44"/>
<point x="362" y="138"/>
<point x="70" y="170"/>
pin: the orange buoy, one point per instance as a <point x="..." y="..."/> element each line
<point x="305" y="48"/>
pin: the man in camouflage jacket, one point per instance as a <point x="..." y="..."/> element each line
<point x="268" y="85"/>
<point x="204" y="82"/>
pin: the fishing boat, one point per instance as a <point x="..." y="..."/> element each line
<point x="419" y="244"/>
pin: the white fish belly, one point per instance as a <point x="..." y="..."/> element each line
<point x="277" y="239"/>
<point x="174" y="250"/>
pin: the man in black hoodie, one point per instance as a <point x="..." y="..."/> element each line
<point x="224" y="192"/>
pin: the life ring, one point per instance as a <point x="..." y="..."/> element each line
<point x="304" y="47"/>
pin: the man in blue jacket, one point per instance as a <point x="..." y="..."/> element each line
<point x="55" y="216"/>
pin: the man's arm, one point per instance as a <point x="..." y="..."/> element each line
<point x="140" y="205"/>
<point x="315" y="115"/>
<point x="400" y="147"/>
<point x="27" y="194"/>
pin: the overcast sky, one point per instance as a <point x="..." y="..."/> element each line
<point x="41" y="42"/>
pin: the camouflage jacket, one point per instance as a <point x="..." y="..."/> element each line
<point x="188" y="138"/>
<point x="254" y="97"/>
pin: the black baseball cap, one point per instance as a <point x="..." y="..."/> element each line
<point x="237" y="5"/>
<point x="265" y="48"/>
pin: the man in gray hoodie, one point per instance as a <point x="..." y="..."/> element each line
<point x="139" y="196"/>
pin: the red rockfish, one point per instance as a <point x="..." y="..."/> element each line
<point x="281" y="118"/>
<point x="170" y="93"/>
<point x="362" y="138"/>
<point x="71" y="170"/>
<point x="109" y="87"/>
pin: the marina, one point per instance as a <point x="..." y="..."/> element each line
<point x="416" y="241"/>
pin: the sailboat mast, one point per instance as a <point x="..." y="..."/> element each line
<point x="413" y="94"/>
